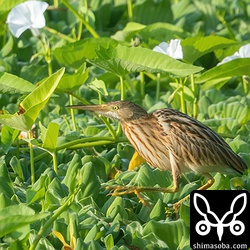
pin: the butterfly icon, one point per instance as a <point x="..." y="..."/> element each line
<point x="210" y="219"/>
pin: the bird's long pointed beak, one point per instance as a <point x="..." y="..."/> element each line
<point x="100" y="109"/>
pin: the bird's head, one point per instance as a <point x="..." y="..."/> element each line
<point x="119" y="110"/>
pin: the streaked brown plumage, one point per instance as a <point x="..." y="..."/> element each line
<point x="170" y="140"/>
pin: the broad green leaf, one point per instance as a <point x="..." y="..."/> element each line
<point x="161" y="32"/>
<point x="147" y="12"/>
<point x="17" y="216"/>
<point x="158" y="211"/>
<point x="5" y="201"/>
<point x="90" y="185"/>
<point x="170" y="232"/>
<point x="33" y="104"/>
<point x="17" y="167"/>
<point x="33" y="196"/>
<point x="239" y="145"/>
<point x="49" y="136"/>
<point x="122" y="60"/>
<point x="109" y="241"/>
<point x="98" y="86"/>
<point x="7" y="48"/>
<point x="6" y="186"/>
<point x="70" y="83"/>
<point x="55" y="194"/>
<point x="237" y="67"/>
<point x="129" y="31"/>
<point x="70" y="176"/>
<point x="75" y="54"/>
<point x="102" y="165"/>
<point x="117" y="207"/>
<point x="224" y="126"/>
<point x="8" y="136"/>
<point x="156" y="31"/>
<point x="216" y="83"/>
<point x="13" y="84"/>
<point x="239" y="111"/>
<point x="196" y="47"/>
<point x="6" y="6"/>
<point x="93" y="234"/>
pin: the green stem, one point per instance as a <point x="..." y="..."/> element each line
<point x="122" y="88"/>
<point x="142" y="83"/>
<point x="194" y="90"/>
<point x="32" y="162"/>
<point x="55" y="3"/>
<point x="100" y="139"/>
<point x="130" y="10"/>
<point x="245" y="84"/>
<point x="58" y="212"/>
<point x="72" y="113"/>
<point x="84" y="142"/>
<point x="79" y="98"/>
<point x="109" y="127"/>
<point x="50" y="70"/>
<point x="182" y="97"/>
<point x="54" y="157"/>
<point x="119" y="128"/>
<point x="86" y="24"/>
<point x="55" y="32"/>
<point x="158" y="86"/>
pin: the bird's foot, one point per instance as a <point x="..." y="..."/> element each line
<point x="117" y="190"/>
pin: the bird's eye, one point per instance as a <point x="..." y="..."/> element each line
<point x="115" y="108"/>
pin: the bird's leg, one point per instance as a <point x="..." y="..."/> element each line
<point x="117" y="190"/>
<point x="121" y="190"/>
<point x="208" y="184"/>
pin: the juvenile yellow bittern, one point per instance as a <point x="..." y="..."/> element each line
<point x="170" y="140"/>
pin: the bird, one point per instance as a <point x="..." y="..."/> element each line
<point x="170" y="140"/>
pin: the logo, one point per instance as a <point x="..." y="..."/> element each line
<point x="219" y="217"/>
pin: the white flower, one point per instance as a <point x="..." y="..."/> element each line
<point x="244" y="52"/>
<point x="172" y="49"/>
<point x="27" y="15"/>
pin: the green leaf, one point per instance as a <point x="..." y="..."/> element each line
<point x="98" y="86"/>
<point x="55" y="194"/>
<point x="49" y="136"/>
<point x="158" y="212"/>
<point x="90" y="185"/>
<point x="101" y="164"/>
<point x="73" y="168"/>
<point x="8" y="136"/>
<point x="33" y="104"/>
<point x="170" y="232"/>
<point x="129" y="31"/>
<point x="123" y="60"/>
<point x="70" y="83"/>
<point x="109" y="241"/>
<point x="148" y="12"/>
<point x="6" y="186"/>
<point x="161" y="32"/>
<point x="236" y="67"/>
<point x="196" y="47"/>
<point x="158" y="31"/>
<point x="75" y="54"/>
<point x="12" y="84"/>
<point x="17" y="167"/>
<point x="5" y="201"/>
<point x="17" y="216"/>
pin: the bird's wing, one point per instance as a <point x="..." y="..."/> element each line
<point x="193" y="143"/>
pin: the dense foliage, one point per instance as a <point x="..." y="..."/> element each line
<point x="56" y="162"/>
